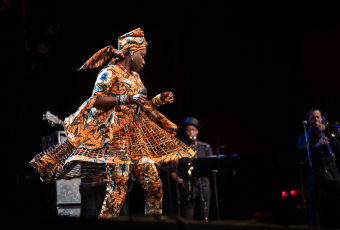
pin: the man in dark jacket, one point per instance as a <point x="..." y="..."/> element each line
<point x="325" y="172"/>
<point x="193" y="209"/>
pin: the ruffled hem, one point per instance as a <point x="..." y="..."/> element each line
<point x="63" y="161"/>
<point x="140" y="142"/>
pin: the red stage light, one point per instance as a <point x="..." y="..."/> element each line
<point x="293" y="192"/>
<point x="260" y="214"/>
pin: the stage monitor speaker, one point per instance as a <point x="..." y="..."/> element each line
<point x="66" y="192"/>
<point x="68" y="211"/>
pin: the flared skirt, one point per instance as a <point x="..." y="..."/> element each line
<point x="139" y="142"/>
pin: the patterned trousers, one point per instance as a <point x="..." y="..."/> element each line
<point x="118" y="175"/>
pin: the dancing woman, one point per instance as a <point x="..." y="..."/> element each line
<point x="104" y="142"/>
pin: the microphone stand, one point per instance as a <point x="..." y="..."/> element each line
<point x="177" y="190"/>
<point x="215" y="183"/>
<point x="303" y="195"/>
<point x="168" y="175"/>
<point x="310" y="171"/>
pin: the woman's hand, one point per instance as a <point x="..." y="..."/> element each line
<point x="167" y="97"/>
<point x="138" y="99"/>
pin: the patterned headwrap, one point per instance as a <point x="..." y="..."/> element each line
<point x="128" y="43"/>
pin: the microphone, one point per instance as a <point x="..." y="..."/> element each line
<point x="142" y="91"/>
<point x="304" y="122"/>
<point x="132" y="177"/>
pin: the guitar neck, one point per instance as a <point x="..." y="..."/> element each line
<point x="60" y="123"/>
<point x="52" y="119"/>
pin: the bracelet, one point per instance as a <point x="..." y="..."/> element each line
<point x="123" y="100"/>
<point x="156" y="101"/>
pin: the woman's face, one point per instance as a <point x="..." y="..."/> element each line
<point x="138" y="62"/>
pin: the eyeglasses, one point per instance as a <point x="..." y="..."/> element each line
<point x="191" y="130"/>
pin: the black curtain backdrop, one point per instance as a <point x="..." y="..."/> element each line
<point x="248" y="71"/>
<point x="320" y="56"/>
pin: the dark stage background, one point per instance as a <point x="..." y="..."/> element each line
<point x="248" y="71"/>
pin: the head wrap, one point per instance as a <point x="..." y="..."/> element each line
<point x="128" y="43"/>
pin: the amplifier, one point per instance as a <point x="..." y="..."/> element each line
<point x="53" y="139"/>
<point x="65" y="192"/>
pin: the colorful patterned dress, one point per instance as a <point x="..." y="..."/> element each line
<point x="106" y="143"/>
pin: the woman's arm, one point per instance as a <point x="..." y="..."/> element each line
<point x="105" y="102"/>
<point x="109" y="102"/>
<point x="166" y="97"/>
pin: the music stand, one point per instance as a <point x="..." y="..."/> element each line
<point x="211" y="166"/>
<point x="297" y="159"/>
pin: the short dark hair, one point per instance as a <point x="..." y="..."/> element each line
<point x="311" y="110"/>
